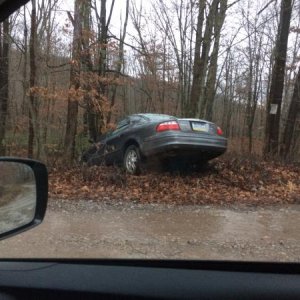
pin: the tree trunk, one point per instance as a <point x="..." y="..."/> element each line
<point x="25" y="81"/>
<point x="293" y="113"/>
<point x="102" y="40"/>
<point x="72" y="114"/>
<point x="32" y="99"/>
<point x="90" y="116"/>
<point x="98" y="117"/>
<point x="4" y="63"/>
<point x="210" y="90"/>
<point x="120" y="62"/>
<point x="277" y="82"/>
<point x="197" y="67"/>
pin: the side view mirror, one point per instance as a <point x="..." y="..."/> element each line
<point x="23" y="195"/>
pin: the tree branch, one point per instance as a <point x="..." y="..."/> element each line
<point x="71" y="18"/>
<point x="126" y="44"/>
<point x="265" y="7"/>
<point x="110" y="13"/>
<point x="117" y="72"/>
<point x="58" y="66"/>
<point x="233" y="3"/>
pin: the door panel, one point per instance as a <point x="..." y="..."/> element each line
<point x="115" y="142"/>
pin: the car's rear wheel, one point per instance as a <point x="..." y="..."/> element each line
<point x="132" y="160"/>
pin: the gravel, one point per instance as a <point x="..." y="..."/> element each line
<point x="104" y="229"/>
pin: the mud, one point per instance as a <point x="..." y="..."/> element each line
<point x="87" y="229"/>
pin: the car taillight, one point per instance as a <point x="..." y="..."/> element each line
<point x="170" y="125"/>
<point x="219" y="131"/>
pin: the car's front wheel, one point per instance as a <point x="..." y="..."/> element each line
<point x="132" y="160"/>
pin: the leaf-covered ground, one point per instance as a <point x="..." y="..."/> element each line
<point x="224" y="181"/>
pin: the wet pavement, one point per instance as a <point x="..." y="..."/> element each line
<point x="88" y="229"/>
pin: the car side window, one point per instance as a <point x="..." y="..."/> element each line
<point x="123" y="123"/>
<point x="138" y="119"/>
<point x="135" y="119"/>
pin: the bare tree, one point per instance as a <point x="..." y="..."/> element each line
<point x="4" y="67"/>
<point x="255" y="53"/>
<point x="206" y="109"/>
<point x="205" y="61"/>
<point x="91" y="114"/>
<point x="72" y="114"/>
<point x="275" y="94"/>
<point x="120" y="61"/>
<point x="202" y="49"/>
<point x="293" y="114"/>
<point x="167" y="53"/>
<point x="33" y="109"/>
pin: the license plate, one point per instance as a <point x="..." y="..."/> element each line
<point x="202" y="127"/>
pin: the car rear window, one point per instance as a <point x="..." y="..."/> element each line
<point x="158" y="117"/>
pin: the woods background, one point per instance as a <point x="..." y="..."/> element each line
<point x="70" y="70"/>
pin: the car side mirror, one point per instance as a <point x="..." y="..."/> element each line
<point x="23" y="195"/>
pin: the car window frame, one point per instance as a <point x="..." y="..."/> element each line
<point x="121" y="126"/>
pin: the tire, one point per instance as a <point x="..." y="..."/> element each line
<point x="132" y="160"/>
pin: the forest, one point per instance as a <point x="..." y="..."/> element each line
<point x="69" y="70"/>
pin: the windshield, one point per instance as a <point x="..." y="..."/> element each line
<point x="170" y="129"/>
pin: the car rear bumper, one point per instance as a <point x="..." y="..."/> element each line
<point x="185" y="144"/>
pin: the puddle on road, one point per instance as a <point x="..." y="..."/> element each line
<point x="165" y="232"/>
<point x="180" y="223"/>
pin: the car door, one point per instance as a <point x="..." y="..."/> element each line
<point x="115" y="142"/>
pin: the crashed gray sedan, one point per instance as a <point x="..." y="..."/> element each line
<point x="141" y="137"/>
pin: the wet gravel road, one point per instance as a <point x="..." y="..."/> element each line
<point x="20" y="210"/>
<point x="87" y="229"/>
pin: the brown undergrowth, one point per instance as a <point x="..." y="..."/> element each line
<point x="227" y="180"/>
